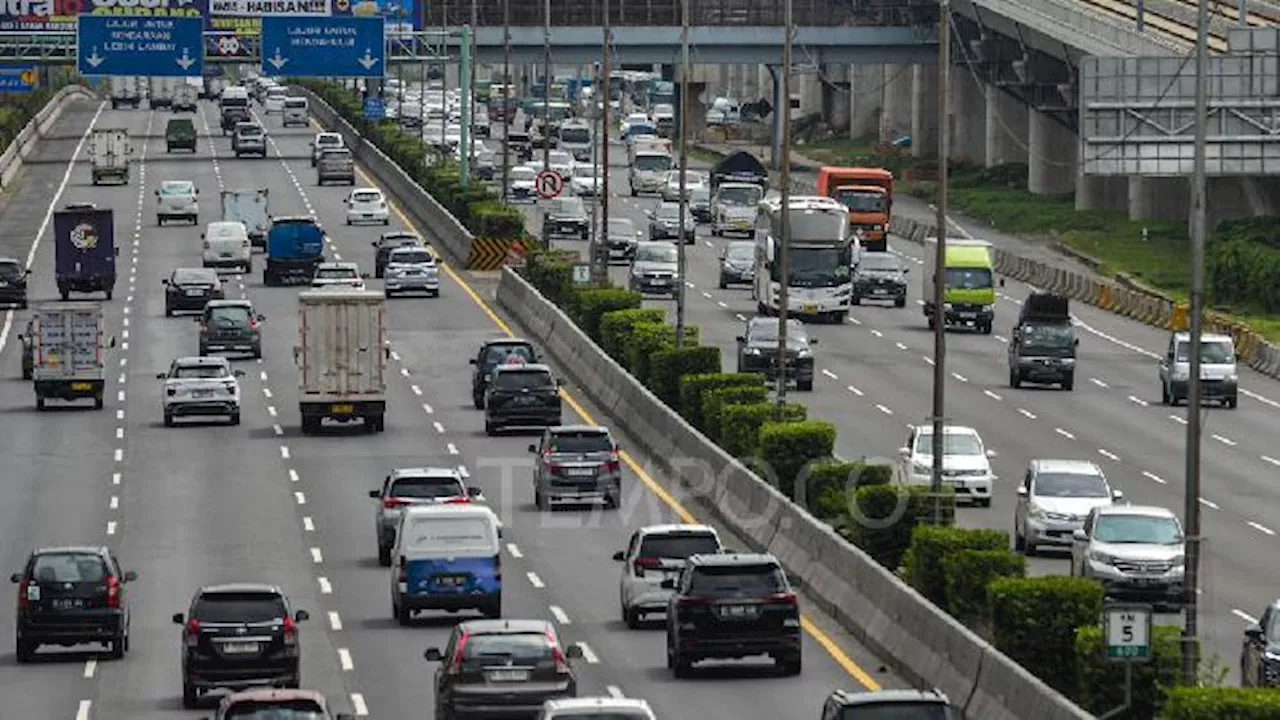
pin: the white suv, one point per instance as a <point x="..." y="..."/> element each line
<point x="656" y="553"/>
<point x="966" y="463"/>
<point x="582" y="708"/>
<point x="367" y="205"/>
<point x="200" y="387"/>
<point x="1136" y="553"/>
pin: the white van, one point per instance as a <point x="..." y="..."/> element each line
<point x="446" y="557"/>
<point x="1219" y="373"/>
<point x="295" y="111"/>
<point x="226" y="245"/>
<point x="274" y="101"/>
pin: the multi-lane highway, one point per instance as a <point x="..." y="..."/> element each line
<point x="212" y="503"/>
<point x="875" y="379"/>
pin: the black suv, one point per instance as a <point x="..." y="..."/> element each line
<point x="566" y="217"/>
<point x="13" y="283"/>
<point x="880" y="276"/>
<point x="502" y="666"/>
<point x="230" y="325"/>
<point x="389" y="241"/>
<point x="521" y="396"/>
<point x="190" y="288"/>
<point x="491" y="355"/>
<point x="896" y="704"/>
<point x="71" y="595"/>
<point x="239" y="636"/>
<point x="758" y="351"/>
<point x="732" y="605"/>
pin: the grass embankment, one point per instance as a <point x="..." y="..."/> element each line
<point x="1154" y="253"/>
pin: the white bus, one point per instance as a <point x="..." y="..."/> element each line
<point x="821" y="256"/>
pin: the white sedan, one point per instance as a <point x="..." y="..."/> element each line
<point x="200" y="387"/>
<point x="584" y="184"/>
<point x="367" y="205"/>
<point x="338" y="275"/>
<point x="671" y="191"/>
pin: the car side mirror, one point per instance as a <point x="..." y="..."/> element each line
<point x="112" y="343"/>
<point x="1117" y="495"/>
<point x="197" y="320"/>
<point x="178" y="619"/>
<point x="474" y="492"/>
<point x="1075" y="343"/>
<point x="302" y="616"/>
<point x="533" y="448"/>
<point x="161" y="376"/>
<point x="472" y="361"/>
<point x="559" y="382"/>
<point x="906" y="271"/>
<point x="741" y="338"/>
<point x="375" y="494"/>
<point x="1001" y="282"/>
<point x="16" y="577"/>
<point x="619" y="556"/>
<point x="668" y="584"/>
<point x="364" y="276"/>
<point x="201" y="236"/>
<point x="904" y="452"/>
<point x="1253" y="632"/>
<point x="374" y="244"/>
<point x="813" y="341"/>
<point x="238" y="373"/>
<point x="1079" y="536"/>
<point x="991" y="453"/>
<point x="344" y="716"/>
<point x="262" y="318"/>
<point x="573" y="652"/>
<point x="130" y="576"/>
<point x="116" y="252"/>
<point x="1022" y="491"/>
<point x="433" y="655"/>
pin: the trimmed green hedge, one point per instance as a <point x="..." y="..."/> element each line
<point x="1035" y="621"/>
<point x="925" y="569"/>
<point x="1101" y="682"/>
<point x="668" y="366"/>
<point x="714" y="400"/>
<point x="593" y="304"/>
<point x="833" y="482"/>
<point x="551" y="274"/>
<point x="740" y="425"/>
<point x="648" y="339"/>
<point x="968" y="574"/>
<point x="615" y="328"/>
<point x="886" y="515"/>
<point x="1222" y="703"/>
<point x="693" y="389"/>
<point x="788" y="447"/>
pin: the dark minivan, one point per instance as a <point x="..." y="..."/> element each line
<point x="72" y="595"/>
<point x="180" y="134"/>
<point x="888" y="705"/>
<point x="521" y="396"/>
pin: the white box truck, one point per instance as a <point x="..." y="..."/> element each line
<point x="187" y="94"/>
<point x="126" y="91"/>
<point x="342" y="357"/>
<point x="68" y="352"/>
<point x="248" y="207"/>
<point x="162" y="90"/>
<point x="109" y="152"/>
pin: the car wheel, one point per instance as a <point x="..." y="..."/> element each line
<point x="984" y="502"/>
<point x="632" y="616"/>
<point x="168" y="419"/>
<point x="805" y="386"/>
<point x="117" y="647"/>
<point x="190" y="696"/>
<point x="490" y="428"/>
<point x="384" y="555"/>
<point x="257" y="351"/>
<point x="1019" y="540"/>
<point x="1015" y="379"/>
<point x="235" y="418"/>
<point x="1069" y="382"/>
<point x="1231" y="402"/>
<point x="791" y="664"/>
<point x="680" y="667"/>
<point x="403" y="616"/>
<point x="492" y="609"/>
<point x="900" y="302"/>
<point x="204" y="350"/>
<point x="1030" y="548"/>
<point x="23" y="650"/>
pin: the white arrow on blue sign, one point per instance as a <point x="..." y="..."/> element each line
<point x="332" y="47"/>
<point x="154" y="46"/>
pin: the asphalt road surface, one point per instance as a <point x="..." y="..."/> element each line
<point x="209" y="503"/>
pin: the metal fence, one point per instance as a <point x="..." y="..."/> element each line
<point x="715" y="13"/>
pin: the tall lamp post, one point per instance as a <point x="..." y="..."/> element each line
<point x="599" y="270"/>
<point x="506" y="97"/>
<point x="939" y="278"/>
<point x="783" y="251"/>
<point x="546" y="85"/>
<point x="681" y="263"/>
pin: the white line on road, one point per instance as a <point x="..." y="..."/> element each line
<point x="308" y="524"/>
<point x="416" y="390"/>
<point x="614" y="691"/>
<point x="344" y="657"/>
<point x="115" y="478"/>
<point x="115" y="502"/>
<point x="722" y="303"/>
<point x="119" y="433"/>
<point x="829" y="374"/>
<point x="82" y="713"/>
<point x="706" y="294"/>
<point x="335" y="622"/>
<point x="877" y="333"/>
<point x="119" y="454"/>
<point x="959" y="377"/>
<point x="588" y="654"/>
<point x="1152" y="476"/>
<point x="358" y="704"/>
<point x="534" y="580"/>
<point x="90" y="667"/>
<point x="854" y="320"/>
<point x="1098" y="382"/>
<point x="741" y="317"/>
<point x="317" y="557"/>
<point x="293" y="475"/>
<point x="271" y="410"/>
<point x="1178" y="419"/>
<point x="439" y="428"/>
<point x="1224" y="440"/>
<point x="992" y="395"/>
<point x="404" y="371"/>
<point x="927" y="359"/>
<point x="1108" y="454"/>
<point x="262" y="374"/>
<point x="462" y="470"/>
<point x="325" y="587"/>
<point x="395" y="356"/>
<point x="1000" y="338"/>
<point x="266" y="392"/>
<point x="284" y="451"/>
<point x="900" y="346"/>
<point x="514" y="550"/>
<point x="428" y="408"/>
<point x="883" y="409"/>
<point x="561" y="616"/>
<point x="302" y="499"/>
<point x="1139" y="401"/>
<point x="1261" y="528"/>
<point x="1027" y="413"/>
<point x="1064" y="433"/>
<point x="1209" y="504"/>
<point x="120" y="396"/>
<point x="1244" y="616"/>
<point x="1269" y="459"/>
<point x="453" y="449"/>
<point x="111" y="527"/>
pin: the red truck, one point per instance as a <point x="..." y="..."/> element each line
<point x="868" y="193"/>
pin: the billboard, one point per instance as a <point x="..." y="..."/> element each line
<point x="60" y="15"/>
<point x="401" y="15"/>
<point x="245" y="16"/>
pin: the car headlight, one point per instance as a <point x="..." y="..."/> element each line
<point x="1233" y="377"/>
<point x="1059" y="517"/>
<point x="753" y="351"/>
<point x="1101" y="557"/>
<point x="487" y="377"/>
<point x="1179" y="561"/>
<point x="946" y="306"/>
<point x="987" y="308"/>
<point x="1068" y="361"/>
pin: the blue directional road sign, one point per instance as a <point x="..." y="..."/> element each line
<point x="374" y="109"/>
<point x="336" y="47"/>
<point x="18" y="78"/>
<point x="139" y="45"/>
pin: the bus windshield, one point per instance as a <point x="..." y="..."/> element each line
<point x="816" y="267"/>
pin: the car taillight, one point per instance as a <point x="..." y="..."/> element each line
<point x="455" y="664"/>
<point x="456" y="501"/>
<point x="403" y="576"/>
<point x="23" y="600"/>
<point x="113" y="591"/>
<point x="646" y="563"/>
<point x="613" y="464"/>
<point x="290" y="632"/>
<point x="193" y="632"/>
<point x="392" y="503"/>
<point x="786" y="598"/>
<point x="253" y="323"/>
<point x="557" y="654"/>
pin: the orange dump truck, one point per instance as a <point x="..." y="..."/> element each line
<point x="868" y="193"/>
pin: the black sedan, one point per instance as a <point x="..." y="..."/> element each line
<point x="758" y="351"/>
<point x="188" y="289"/>
<point x="880" y="276"/>
<point x="13" y="282"/>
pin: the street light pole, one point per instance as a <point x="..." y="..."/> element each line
<point x="506" y="98"/>
<point x="546" y="85"/>
<point x="1190" y="647"/>
<point x="939" y="263"/>
<point x="599" y="270"/>
<point x="683" y="170"/>
<point x="784" y="259"/>
<point x="465" y="73"/>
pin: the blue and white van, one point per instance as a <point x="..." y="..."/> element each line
<point x="447" y="557"/>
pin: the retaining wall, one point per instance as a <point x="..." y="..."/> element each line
<point x="12" y="158"/>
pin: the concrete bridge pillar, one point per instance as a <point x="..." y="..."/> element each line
<point x="1158" y="198"/>
<point x="968" y="117"/>
<point x="866" y="99"/>
<point x="1006" y="128"/>
<point x="1101" y="192"/>
<point x="1051" y="156"/>
<point x="895" y="119"/>
<point x="835" y="94"/>
<point x="924" y="110"/>
<point x="809" y="86"/>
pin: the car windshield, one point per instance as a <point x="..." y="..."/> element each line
<point x="366" y="197"/>
<point x="621" y="226"/>
<point x="593" y="714"/>
<point x="523" y="173"/>
<point x="1047" y="336"/>
<point x="897" y="711"/>
<point x="69" y="567"/>
<point x="496" y="354"/>
<point x="952" y="444"/>
<point x="276" y="710"/>
<point x="338" y="273"/>
<point x="426" y="487"/>
<point x="1070" y="485"/>
<point x="1215" y="352"/>
<point x="1137" y="529"/>
<point x="765" y="330"/>
<point x="741" y="252"/>
<point x="229" y="315"/>
<point x="10" y="270"/>
<point x="523" y="380"/>
<point x="515" y="648"/>
<point x="668" y="211"/>
<point x="413" y="257"/>
<point x="329" y="140"/>
<point x="570" y="207"/>
<point x="860" y="201"/>
<point x="679" y="546"/>
<point x="194" y="276"/>
<point x="642" y="129"/>
<point x="177" y="188"/>
<point x="879" y="262"/>
<point x="575" y="135"/>
<point x="239" y="607"/>
<point x="198" y="372"/>
<point x="968" y="278"/>
<point x="657" y="163"/>
<point x="813" y="267"/>
<point x="740" y="195"/>
<point x="250" y="131"/>
<point x="738" y="581"/>
<point x="700" y="194"/>
<point x="657" y="253"/>
<point x="580" y="442"/>
<point x="559" y="158"/>
<point x="336" y="155"/>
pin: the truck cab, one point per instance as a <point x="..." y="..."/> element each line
<point x="868" y="194"/>
<point x="970" y="296"/>
<point x="1042" y="346"/>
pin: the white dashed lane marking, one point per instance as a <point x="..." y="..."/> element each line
<point x="1064" y="433"/>
<point x="560" y="615"/>
<point x="335" y="621"/>
<point x="1027" y="413"/>
<point x="1261" y="528"/>
<point x="830" y="374"/>
<point x="534" y="580"/>
<point x="317" y="557"/>
<point x="1108" y="454"/>
<point x="1138" y="401"/>
<point x="883" y="409"/>
<point x="514" y="550"/>
<point x="1224" y="440"/>
<point x="1152" y="476"/>
<point x="344" y="657"/>
<point x="992" y="395"/>
<point x="325" y="587"/>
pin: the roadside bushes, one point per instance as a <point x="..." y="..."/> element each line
<point x="787" y="447"/>
<point x="615" y="328"/>
<point x="714" y="400"/>
<point x="926" y="560"/>
<point x="740" y="428"/>
<point x="695" y="386"/>
<point x="594" y="303"/>
<point x="667" y="367"/>
<point x="882" y="518"/>
<point x="968" y="576"/>
<point x="1035" y="621"/>
<point x="833" y="482"/>
<point x="1222" y="703"/>
<point x="1100" y="682"/>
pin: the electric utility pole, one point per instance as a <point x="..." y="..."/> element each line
<point x="784" y="260"/>
<point x="939" y="263"/>
<point x="506" y="98"/>
<point x="1190" y="645"/>
<point x="684" y="169"/>
<point x="546" y="85"/>
<point x="600" y="270"/>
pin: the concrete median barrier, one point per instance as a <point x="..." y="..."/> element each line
<point x="24" y="142"/>
<point x="920" y="641"/>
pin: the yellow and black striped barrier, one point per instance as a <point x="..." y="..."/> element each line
<point x="493" y="253"/>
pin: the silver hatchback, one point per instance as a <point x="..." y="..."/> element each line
<point x="576" y="464"/>
<point x="413" y="486"/>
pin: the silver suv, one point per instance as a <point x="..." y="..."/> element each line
<point x="413" y="486"/>
<point x="576" y="464"/>
<point x="249" y="139"/>
<point x="1134" y="551"/>
<point x="1053" y="500"/>
<point x="656" y="553"/>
